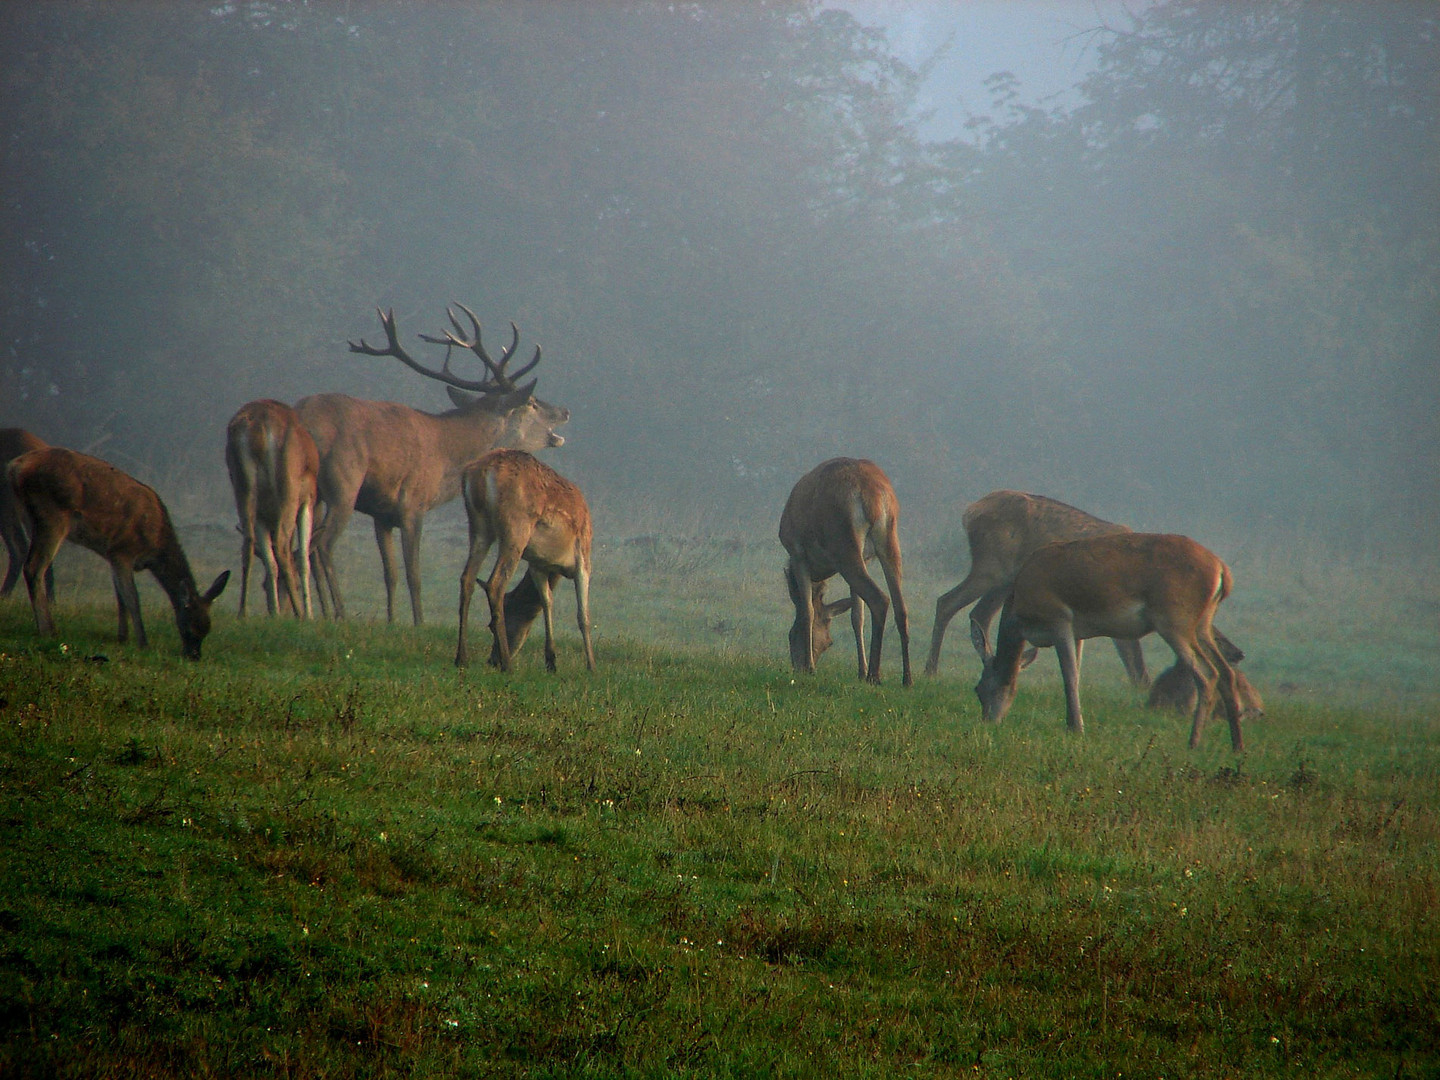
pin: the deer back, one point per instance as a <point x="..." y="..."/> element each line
<point x="836" y="505"/>
<point x="268" y="450"/>
<point x="13" y="443"/>
<point x="519" y="498"/>
<point x="409" y="459"/>
<point x="1004" y="528"/>
<point x="1116" y="579"/>
<point x="110" y="512"/>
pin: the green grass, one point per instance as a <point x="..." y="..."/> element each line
<point x="322" y="851"/>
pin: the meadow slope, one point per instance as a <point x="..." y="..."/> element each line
<point x="323" y="851"/>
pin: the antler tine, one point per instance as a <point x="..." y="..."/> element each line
<point x="498" y="369"/>
<point x="506" y="354"/>
<point x="387" y="320"/>
<point x="528" y="367"/>
<point x="395" y="349"/>
<point x="498" y="379"/>
<point x="510" y="379"/>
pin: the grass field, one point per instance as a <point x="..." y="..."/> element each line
<point x="322" y="851"/>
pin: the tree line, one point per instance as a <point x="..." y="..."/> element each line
<point x="1206" y="290"/>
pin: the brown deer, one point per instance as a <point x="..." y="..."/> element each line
<point x="273" y="465"/>
<point x="1003" y="529"/>
<point x="14" y="442"/>
<point x="536" y="515"/>
<point x="72" y="496"/>
<point x="1174" y="689"/>
<point x="839" y="515"/>
<point x="1124" y="585"/>
<point x="395" y="463"/>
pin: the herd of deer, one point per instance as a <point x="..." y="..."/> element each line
<point x="1055" y="575"/>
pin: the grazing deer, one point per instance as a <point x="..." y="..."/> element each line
<point x="537" y="515"/>
<point x="72" y="496"/>
<point x="395" y="463"/>
<point x="839" y="515"/>
<point x="1174" y="689"/>
<point x="274" y="465"/>
<point x="1003" y="529"/>
<point x="1124" y="585"/>
<point x="14" y="442"/>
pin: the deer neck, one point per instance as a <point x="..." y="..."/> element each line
<point x="465" y="434"/>
<point x="1009" y="649"/>
<point x="172" y="571"/>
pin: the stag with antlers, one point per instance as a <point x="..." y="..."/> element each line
<point x="394" y="463"/>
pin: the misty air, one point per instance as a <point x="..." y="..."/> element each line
<point x="559" y="539"/>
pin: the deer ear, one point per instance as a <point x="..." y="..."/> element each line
<point x="1028" y="656"/>
<point x="503" y="401"/>
<point x="839" y="607"/>
<point x="460" y="398"/>
<point x="216" y="587"/>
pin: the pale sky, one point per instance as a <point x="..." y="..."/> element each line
<point x="1042" y="41"/>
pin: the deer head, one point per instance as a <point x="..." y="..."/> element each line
<point x="820" y="615"/>
<point x="192" y="616"/>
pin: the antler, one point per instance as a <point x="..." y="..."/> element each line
<point x="501" y="380"/>
<point x="395" y="349"/>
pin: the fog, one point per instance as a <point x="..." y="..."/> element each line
<point x="1194" y="288"/>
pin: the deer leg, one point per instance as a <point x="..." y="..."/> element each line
<point x="479" y="548"/>
<point x="322" y="593"/>
<point x="522" y="607"/>
<point x="317" y="570"/>
<point x="802" y="646"/>
<point x="947" y="607"/>
<point x="44" y="544"/>
<point x="283" y="548"/>
<point x="385" y="541"/>
<point x="296" y="603"/>
<point x="582" y="611"/>
<point x="890" y="565"/>
<point x="12" y="568"/>
<point x="1068" y="651"/>
<point x="272" y="570"/>
<point x="864" y="589"/>
<point x="1133" y="657"/>
<point x="337" y="516"/>
<point x="127" y="596"/>
<point x="14" y="538"/>
<point x="122" y="612"/>
<point x="410" y="549"/>
<point x="857" y="625"/>
<point x="247" y="551"/>
<point x="1228" y="683"/>
<point x="304" y="524"/>
<point x="1189" y="658"/>
<point x="505" y="565"/>
<point x="545" y="582"/>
